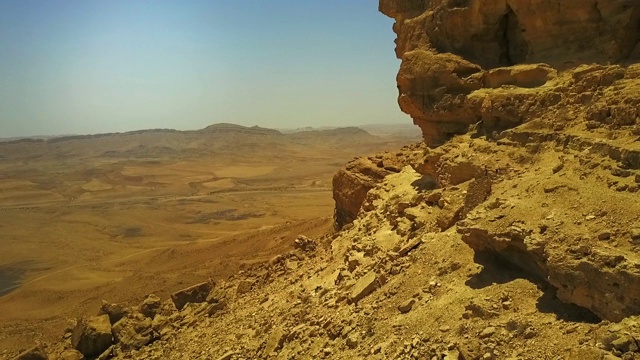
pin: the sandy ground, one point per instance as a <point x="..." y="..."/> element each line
<point x="76" y="227"/>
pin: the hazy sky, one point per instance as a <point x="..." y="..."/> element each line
<point x="86" y="66"/>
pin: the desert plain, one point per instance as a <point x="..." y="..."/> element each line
<point x="119" y="216"/>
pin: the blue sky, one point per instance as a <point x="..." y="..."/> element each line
<point x="86" y="66"/>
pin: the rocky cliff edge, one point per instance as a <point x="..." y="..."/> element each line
<point x="505" y="62"/>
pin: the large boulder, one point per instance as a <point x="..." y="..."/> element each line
<point x="304" y="243"/>
<point x="71" y="354"/>
<point x="352" y="183"/>
<point x="150" y="306"/>
<point x="115" y="311"/>
<point x="92" y="335"/>
<point x="350" y="187"/>
<point x="133" y="331"/>
<point x="275" y="341"/>
<point x="194" y="294"/>
<point x="363" y="287"/>
<point x="217" y="299"/>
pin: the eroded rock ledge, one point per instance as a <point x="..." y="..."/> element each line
<point x="351" y="184"/>
<point x="459" y="56"/>
<point x="532" y="80"/>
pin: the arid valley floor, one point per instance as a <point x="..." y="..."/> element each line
<point x="121" y="216"/>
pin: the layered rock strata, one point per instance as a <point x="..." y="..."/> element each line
<point x="459" y="57"/>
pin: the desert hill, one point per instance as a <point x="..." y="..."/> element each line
<point x="511" y="232"/>
<point x="162" y="142"/>
<point x="402" y="130"/>
<point x="393" y="130"/>
<point x="222" y="128"/>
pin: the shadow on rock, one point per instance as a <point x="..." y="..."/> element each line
<point x="549" y="303"/>
<point x="425" y="183"/>
<point x="497" y="270"/>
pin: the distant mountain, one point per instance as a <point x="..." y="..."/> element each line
<point x="223" y="138"/>
<point x="397" y="130"/>
<point x="306" y="128"/>
<point x="403" y="130"/>
<point x="239" y="129"/>
<point x="28" y="138"/>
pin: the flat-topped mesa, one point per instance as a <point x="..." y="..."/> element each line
<point x="457" y="53"/>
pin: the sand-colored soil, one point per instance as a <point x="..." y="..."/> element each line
<point x="79" y="224"/>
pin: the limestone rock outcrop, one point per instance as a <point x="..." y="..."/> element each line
<point x="351" y="184"/>
<point x="459" y="56"/>
<point x="133" y="331"/>
<point x="194" y="294"/>
<point x="531" y="74"/>
<point x="92" y="335"/>
<point x="115" y="311"/>
<point x="150" y="306"/>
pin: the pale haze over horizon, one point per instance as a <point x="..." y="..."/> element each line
<point x="88" y="66"/>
